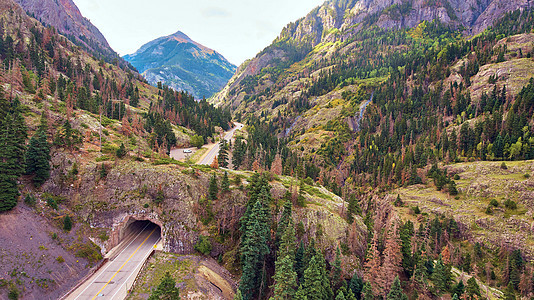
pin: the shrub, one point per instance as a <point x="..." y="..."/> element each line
<point x="121" y="151"/>
<point x="13" y="293"/>
<point x="526" y="175"/>
<point x="456" y="177"/>
<point x="52" y="203"/>
<point x="494" y="203"/>
<point x="416" y="210"/>
<point x="60" y="259"/>
<point x="489" y="211"/>
<point x="30" y="199"/>
<point x="203" y="245"/>
<point x="510" y="204"/>
<point x="503" y="166"/>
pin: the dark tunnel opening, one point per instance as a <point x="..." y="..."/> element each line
<point x="138" y="227"/>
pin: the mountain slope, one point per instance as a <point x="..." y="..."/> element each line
<point x="339" y="20"/>
<point x="183" y="64"/>
<point x="65" y="16"/>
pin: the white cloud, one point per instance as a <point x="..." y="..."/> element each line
<point x="238" y="29"/>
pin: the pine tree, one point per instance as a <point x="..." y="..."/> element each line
<point x="356" y="285"/>
<point x="440" y="276"/>
<point x="367" y="292"/>
<point x="67" y="223"/>
<point x="340" y="296"/>
<point x="166" y="290"/>
<point x="225" y="183"/>
<point x="254" y="249"/>
<point x="37" y="158"/>
<point x="509" y="293"/>
<point x="213" y="188"/>
<point x="223" y="153"/>
<point x="396" y="291"/>
<point x="121" y="151"/>
<point x="316" y="284"/>
<point x="472" y="288"/>
<point x="284" y="219"/>
<point x="285" y="279"/>
<point x="12" y="146"/>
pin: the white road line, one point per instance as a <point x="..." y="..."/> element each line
<point x="109" y="263"/>
<point x="141" y="262"/>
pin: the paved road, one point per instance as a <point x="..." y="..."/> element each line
<point x="208" y="159"/>
<point x="114" y="279"/>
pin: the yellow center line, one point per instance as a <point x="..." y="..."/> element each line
<point x="123" y="265"/>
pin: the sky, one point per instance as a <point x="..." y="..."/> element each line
<point x="238" y="29"/>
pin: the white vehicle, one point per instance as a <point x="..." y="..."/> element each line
<point x="187" y="151"/>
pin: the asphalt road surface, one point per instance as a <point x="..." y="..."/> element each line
<point x="114" y="279"/>
<point x="208" y="159"/>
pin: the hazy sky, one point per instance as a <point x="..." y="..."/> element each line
<point x="238" y="29"/>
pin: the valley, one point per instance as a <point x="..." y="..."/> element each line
<point x="376" y="150"/>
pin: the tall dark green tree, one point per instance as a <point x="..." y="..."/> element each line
<point x="37" y="158"/>
<point x="395" y="293"/>
<point x="223" y="153"/>
<point x="213" y="189"/>
<point x="12" y="146"/>
<point x="356" y="285"/>
<point x="472" y="289"/>
<point x="225" y="183"/>
<point x="316" y="283"/>
<point x="254" y="239"/>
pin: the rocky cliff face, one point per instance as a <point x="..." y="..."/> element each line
<point x="338" y="20"/>
<point x="183" y="64"/>
<point x="65" y="16"/>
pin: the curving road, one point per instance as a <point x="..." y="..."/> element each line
<point x="214" y="151"/>
<point x="114" y="279"/>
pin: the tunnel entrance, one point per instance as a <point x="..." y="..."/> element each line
<point x="134" y="228"/>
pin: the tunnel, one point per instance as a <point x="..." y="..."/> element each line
<point x="135" y="228"/>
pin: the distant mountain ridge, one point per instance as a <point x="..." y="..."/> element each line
<point x="65" y="16"/>
<point x="338" y="20"/>
<point x="183" y="64"/>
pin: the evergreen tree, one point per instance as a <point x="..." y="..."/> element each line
<point x="213" y="188"/>
<point x="225" y="183"/>
<point x="285" y="279"/>
<point x="299" y="261"/>
<point x="459" y="288"/>
<point x="284" y="219"/>
<point x="396" y="291"/>
<point x="356" y="285"/>
<point x="509" y="293"/>
<point x="367" y="292"/>
<point x="121" y="151"/>
<point x="316" y="285"/>
<point x="166" y="290"/>
<point x="254" y="247"/>
<point x="223" y="153"/>
<point x="12" y="146"/>
<point x="440" y="276"/>
<point x="472" y="289"/>
<point x="67" y="223"/>
<point x="37" y="158"/>
<point x="340" y="296"/>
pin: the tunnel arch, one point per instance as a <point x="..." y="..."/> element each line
<point x="133" y="225"/>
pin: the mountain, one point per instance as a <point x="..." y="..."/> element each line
<point x="182" y="64"/>
<point x="65" y="17"/>
<point x="337" y="21"/>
